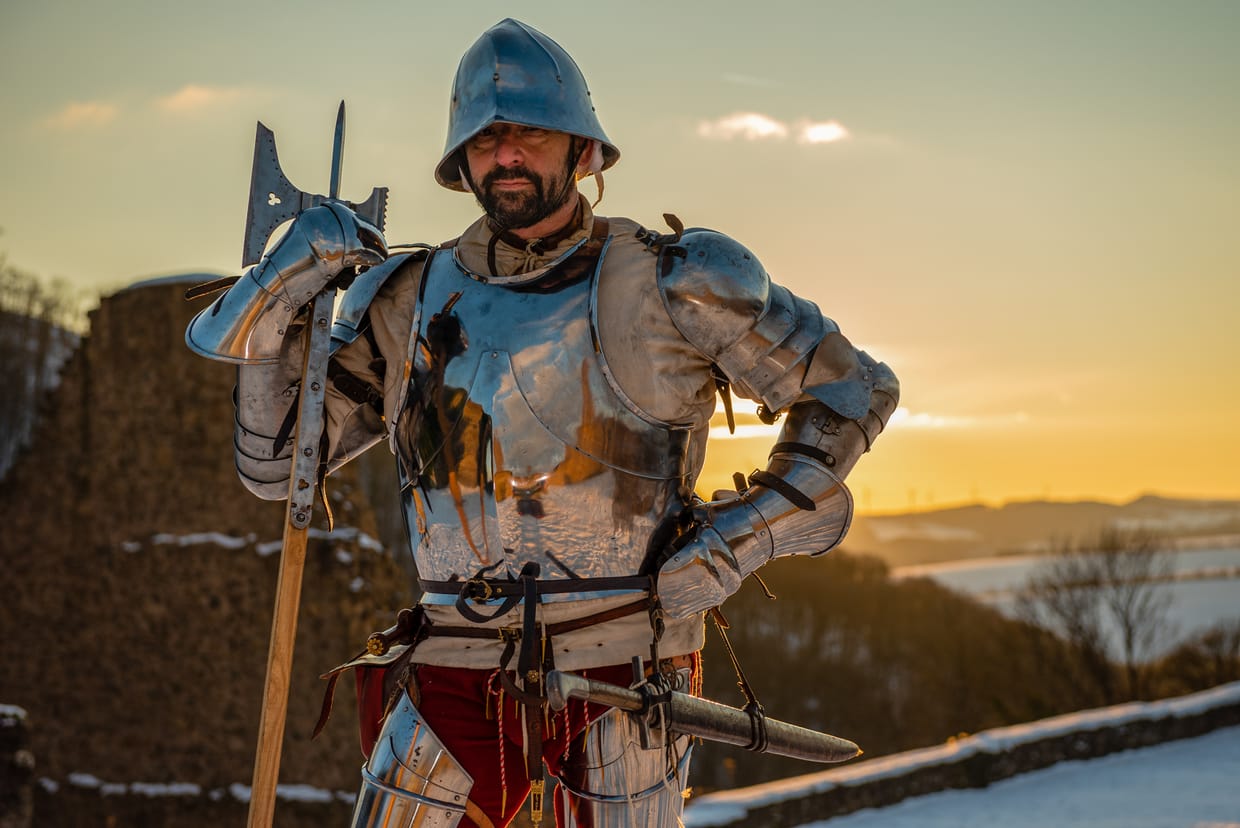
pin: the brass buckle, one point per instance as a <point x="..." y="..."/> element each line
<point x="507" y="634"/>
<point x="478" y="589"/>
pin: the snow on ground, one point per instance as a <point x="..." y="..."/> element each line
<point x="238" y="791"/>
<point x="1190" y="783"/>
<point x="264" y="548"/>
<point x="728" y="807"/>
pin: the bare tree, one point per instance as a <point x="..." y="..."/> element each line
<point x="39" y="325"/>
<point x="1105" y="596"/>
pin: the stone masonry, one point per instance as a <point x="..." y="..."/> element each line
<point x="139" y="575"/>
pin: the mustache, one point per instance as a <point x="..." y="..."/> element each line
<point x="506" y="173"/>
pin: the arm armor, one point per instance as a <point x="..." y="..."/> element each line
<point x="266" y="393"/>
<point x="777" y="348"/>
<point x="247" y="325"/>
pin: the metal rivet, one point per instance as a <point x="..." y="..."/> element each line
<point x="309" y="452"/>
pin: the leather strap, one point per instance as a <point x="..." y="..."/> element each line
<point x="549" y="630"/>
<point x="484" y="589"/>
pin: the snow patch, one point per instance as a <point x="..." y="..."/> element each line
<point x="216" y="538"/>
<point x="290" y="793"/>
<point x="154" y="789"/>
<point x="1186" y="520"/>
<point x="348" y="534"/>
<point x="887" y="531"/>
<point x="84" y="780"/>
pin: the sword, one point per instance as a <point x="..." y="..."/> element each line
<point x="681" y="713"/>
<point x="273" y="200"/>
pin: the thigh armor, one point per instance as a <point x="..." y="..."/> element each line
<point x="411" y="779"/>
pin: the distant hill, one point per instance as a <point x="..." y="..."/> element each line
<point x="1025" y="527"/>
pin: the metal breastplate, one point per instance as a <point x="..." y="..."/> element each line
<point x="516" y="446"/>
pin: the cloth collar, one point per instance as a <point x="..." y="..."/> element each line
<point x="516" y="264"/>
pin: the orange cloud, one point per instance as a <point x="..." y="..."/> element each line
<point x="193" y="98"/>
<point x="903" y="418"/>
<point x="754" y="126"/>
<point x="824" y="132"/>
<point x="751" y="126"/>
<point x="83" y="114"/>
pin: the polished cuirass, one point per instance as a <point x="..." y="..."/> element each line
<point x="516" y="444"/>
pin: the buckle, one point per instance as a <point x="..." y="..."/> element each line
<point x="479" y="589"/>
<point x="507" y="634"/>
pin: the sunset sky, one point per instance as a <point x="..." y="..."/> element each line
<point x="1031" y="211"/>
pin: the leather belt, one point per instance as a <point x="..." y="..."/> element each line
<point x="514" y="633"/>
<point x="484" y="589"/>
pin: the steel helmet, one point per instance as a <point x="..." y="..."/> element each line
<point x="516" y="74"/>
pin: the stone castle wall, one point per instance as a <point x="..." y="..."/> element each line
<point x="139" y="575"/>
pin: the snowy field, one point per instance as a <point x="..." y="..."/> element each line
<point x="1192" y="783"/>
<point x="1206" y="591"/>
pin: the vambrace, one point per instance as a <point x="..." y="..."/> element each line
<point x="798" y="506"/>
<point x="264" y="398"/>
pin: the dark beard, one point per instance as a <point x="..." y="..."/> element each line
<point x="514" y="210"/>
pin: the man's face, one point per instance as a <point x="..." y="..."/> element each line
<point x="520" y="174"/>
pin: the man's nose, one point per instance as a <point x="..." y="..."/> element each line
<point x="508" y="150"/>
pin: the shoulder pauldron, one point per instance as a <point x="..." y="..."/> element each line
<point x="723" y="302"/>
<point x="351" y="311"/>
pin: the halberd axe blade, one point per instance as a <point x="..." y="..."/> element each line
<point x="274" y="199"/>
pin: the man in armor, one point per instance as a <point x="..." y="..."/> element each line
<point x="545" y="381"/>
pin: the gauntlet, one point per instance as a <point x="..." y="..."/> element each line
<point x="798" y="505"/>
<point x="247" y="325"/>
